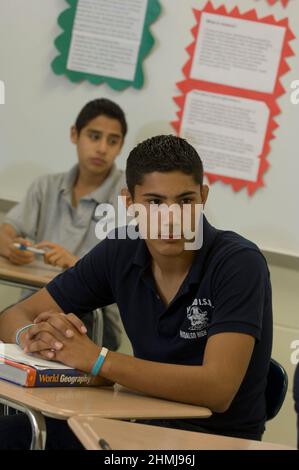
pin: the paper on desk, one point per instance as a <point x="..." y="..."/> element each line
<point x="15" y="353"/>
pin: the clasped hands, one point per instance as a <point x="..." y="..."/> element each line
<point x="60" y="337"/>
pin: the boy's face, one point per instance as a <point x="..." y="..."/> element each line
<point x="98" y="144"/>
<point x="169" y="188"/>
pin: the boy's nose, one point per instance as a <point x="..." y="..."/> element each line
<point x="102" y="146"/>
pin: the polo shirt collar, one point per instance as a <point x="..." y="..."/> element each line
<point x="69" y="179"/>
<point x="101" y="194"/>
<point x="200" y="260"/>
<point x="142" y="256"/>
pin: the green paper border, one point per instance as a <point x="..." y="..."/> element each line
<point x="63" y="41"/>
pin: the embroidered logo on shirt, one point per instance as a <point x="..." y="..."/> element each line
<point x="197" y="319"/>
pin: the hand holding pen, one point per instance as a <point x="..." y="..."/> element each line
<point x="32" y="249"/>
<point x="20" y="252"/>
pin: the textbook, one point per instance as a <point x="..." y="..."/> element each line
<point x="29" y="371"/>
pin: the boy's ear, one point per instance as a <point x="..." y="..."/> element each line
<point x="126" y="197"/>
<point x="204" y="193"/>
<point x="74" y="135"/>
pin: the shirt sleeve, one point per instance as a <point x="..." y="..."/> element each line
<point x="240" y="288"/>
<point x="87" y="285"/>
<point x="25" y="215"/>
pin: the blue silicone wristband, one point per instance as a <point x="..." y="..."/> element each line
<point x="99" y="362"/>
<point x="20" y="330"/>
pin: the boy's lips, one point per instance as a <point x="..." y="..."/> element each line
<point x="97" y="161"/>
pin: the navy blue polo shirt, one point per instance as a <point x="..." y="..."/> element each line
<point x="227" y="289"/>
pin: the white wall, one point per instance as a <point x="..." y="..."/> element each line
<point x="40" y="107"/>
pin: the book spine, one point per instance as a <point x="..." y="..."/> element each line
<point x="31" y="377"/>
<point x="62" y="378"/>
<point x="30" y="372"/>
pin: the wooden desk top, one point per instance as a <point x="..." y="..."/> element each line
<point x="106" y="402"/>
<point x="121" y="435"/>
<point x="36" y="274"/>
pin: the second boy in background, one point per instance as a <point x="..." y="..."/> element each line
<point x="58" y="211"/>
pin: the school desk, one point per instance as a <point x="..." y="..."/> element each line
<point x="34" y="275"/>
<point x="105" y="402"/>
<point x="101" y="434"/>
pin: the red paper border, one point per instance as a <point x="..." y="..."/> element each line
<point x="189" y="84"/>
<point x="283" y="2"/>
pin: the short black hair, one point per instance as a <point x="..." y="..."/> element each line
<point x="163" y="153"/>
<point x="98" y="107"/>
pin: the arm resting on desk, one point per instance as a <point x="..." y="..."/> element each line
<point x="24" y="313"/>
<point x="28" y="310"/>
<point x="214" y="384"/>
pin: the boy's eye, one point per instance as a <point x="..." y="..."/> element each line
<point x="94" y="136"/>
<point x="112" y="141"/>
<point x="155" y="202"/>
<point x="186" y="201"/>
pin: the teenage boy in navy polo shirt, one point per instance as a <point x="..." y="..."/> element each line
<point x="199" y="320"/>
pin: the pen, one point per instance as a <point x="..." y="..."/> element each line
<point x="37" y="251"/>
<point x="104" y="444"/>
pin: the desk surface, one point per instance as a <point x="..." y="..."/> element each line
<point x="36" y="274"/>
<point x="122" y="435"/>
<point x="106" y="402"/>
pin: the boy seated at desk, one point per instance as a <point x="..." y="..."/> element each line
<point x="199" y="317"/>
<point x="58" y="211"/>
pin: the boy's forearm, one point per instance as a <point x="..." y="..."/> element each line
<point x="213" y="384"/>
<point x="24" y="313"/>
<point x="11" y="320"/>
<point x="186" y="384"/>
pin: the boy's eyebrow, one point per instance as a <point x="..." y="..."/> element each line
<point x="161" y="196"/>
<point x="96" y="131"/>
